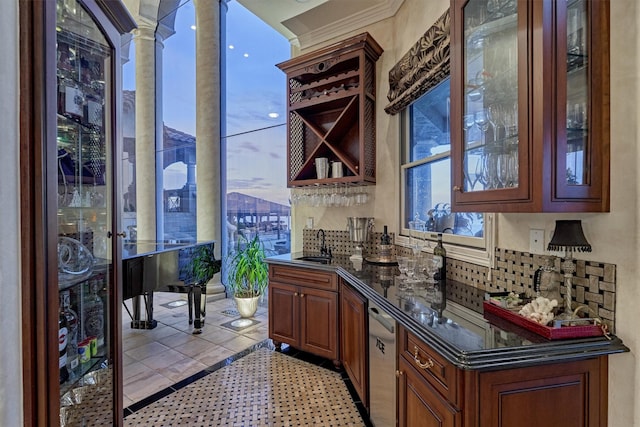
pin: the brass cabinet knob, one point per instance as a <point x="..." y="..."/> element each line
<point x="122" y="234"/>
<point x="399" y="374"/>
<point x="456" y="188"/>
<point x="295" y="294"/>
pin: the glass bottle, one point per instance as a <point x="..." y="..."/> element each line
<point x="72" y="333"/>
<point x="94" y="314"/>
<point x="63" y="335"/>
<point x="441" y="252"/>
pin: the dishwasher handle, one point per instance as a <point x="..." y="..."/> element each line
<point x="375" y="314"/>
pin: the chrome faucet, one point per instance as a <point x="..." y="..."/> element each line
<point x="324" y="251"/>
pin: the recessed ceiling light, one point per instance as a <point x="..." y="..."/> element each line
<point x="246" y="55"/>
<point x="193" y="27"/>
<point x="231" y="46"/>
<point x="274" y="115"/>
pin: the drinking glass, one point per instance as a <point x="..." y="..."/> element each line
<point x="431" y="268"/>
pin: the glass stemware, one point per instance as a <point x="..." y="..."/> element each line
<point x="432" y="265"/>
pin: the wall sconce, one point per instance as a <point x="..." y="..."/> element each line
<point x="568" y="236"/>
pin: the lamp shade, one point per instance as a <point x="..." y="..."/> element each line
<point x="569" y="235"/>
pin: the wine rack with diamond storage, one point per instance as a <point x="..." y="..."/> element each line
<point x="331" y="112"/>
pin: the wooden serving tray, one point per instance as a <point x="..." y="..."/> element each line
<point x="549" y="332"/>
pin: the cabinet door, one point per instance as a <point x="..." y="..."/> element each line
<point x="419" y="405"/>
<point x="490" y="112"/>
<point x="567" y="394"/>
<point x="353" y="339"/>
<point x="319" y="322"/>
<point x="284" y="318"/>
<point x="582" y="129"/>
<point x="89" y="319"/>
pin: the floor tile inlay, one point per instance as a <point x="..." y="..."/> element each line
<point x="263" y="388"/>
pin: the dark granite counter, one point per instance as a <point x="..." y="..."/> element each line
<point x="455" y="325"/>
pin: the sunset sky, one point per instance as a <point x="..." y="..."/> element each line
<point x="255" y="87"/>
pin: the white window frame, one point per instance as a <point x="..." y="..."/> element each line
<point x="475" y="250"/>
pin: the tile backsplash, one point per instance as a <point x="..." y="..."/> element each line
<point x="594" y="283"/>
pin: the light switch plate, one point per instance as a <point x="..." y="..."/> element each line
<point x="536" y="241"/>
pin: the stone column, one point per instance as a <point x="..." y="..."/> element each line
<point x="208" y="159"/>
<point x="145" y="159"/>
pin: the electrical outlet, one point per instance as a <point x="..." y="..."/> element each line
<point x="536" y="241"/>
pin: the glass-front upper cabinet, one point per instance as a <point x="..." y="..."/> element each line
<point x="529" y="107"/>
<point x="86" y="137"/>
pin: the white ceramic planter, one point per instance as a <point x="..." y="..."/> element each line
<point x="247" y="306"/>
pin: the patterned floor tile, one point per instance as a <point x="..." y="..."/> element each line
<point x="264" y="388"/>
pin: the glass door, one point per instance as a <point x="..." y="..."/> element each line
<point x="578" y="154"/>
<point x="490" y="104"/>
<point x="84" y="171"/>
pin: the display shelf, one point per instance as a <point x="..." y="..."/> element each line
<point x="95" y="363"/>
<point x="331" y="111"/>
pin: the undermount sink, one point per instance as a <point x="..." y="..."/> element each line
<point x="315" y="258"/>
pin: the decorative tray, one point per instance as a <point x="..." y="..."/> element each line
<point x="556" y="332"/>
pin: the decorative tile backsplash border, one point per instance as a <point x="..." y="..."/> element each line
<point x="594" y="282"/>
<point x="339" y="242"/>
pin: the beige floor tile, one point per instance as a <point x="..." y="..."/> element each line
<point x="146" y="350"/>
<point x="214" y="355"/>
<point x="217" y="335"/>
<point x="239" y="343"/>
<point x="147" y="385"/>
<point x="194" y="349"/>
<point x="178" y="339"/>
<point x="183" y="369"/>
<point x="159" y="362"/>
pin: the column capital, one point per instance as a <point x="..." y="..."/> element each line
<point x="146" y="29"/>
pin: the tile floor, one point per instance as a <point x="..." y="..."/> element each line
<point x="158" y="358"/>
<point x="227" y="377"/>
<point x="262" y="388"/>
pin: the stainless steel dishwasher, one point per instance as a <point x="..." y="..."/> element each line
<point x="382" y="367"/>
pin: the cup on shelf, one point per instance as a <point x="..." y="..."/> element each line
<point x="336" y="170"/>
<point x="322" y="167"/>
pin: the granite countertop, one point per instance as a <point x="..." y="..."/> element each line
<point x="455" y="325"/>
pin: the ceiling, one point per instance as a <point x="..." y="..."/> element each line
<point x="308" y="22"/>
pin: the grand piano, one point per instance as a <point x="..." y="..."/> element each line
<point x="149" y="267"/>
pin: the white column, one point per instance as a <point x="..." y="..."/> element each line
<point x="208" y="159"/>
<point x="145" y="160"/>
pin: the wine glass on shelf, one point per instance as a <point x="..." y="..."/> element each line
<point x="468" y="122"/>
<point x="482" y="121"/>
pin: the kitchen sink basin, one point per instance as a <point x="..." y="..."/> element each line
<point x="315" y="258"/>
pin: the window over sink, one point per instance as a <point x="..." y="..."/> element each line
<point x="426" y="175"/>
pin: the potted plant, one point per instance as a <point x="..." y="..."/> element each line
<point x="248" y="275"/>
<point x="202" y="266"/>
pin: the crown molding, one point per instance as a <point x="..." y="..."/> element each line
<point x="348" y="24"/>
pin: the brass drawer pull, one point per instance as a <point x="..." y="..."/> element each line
<point x="295" y="294"/>
<point x="426" y="365"/>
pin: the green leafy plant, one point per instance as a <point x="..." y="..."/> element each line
<point x="248" y="272"/>
<point x="203" y="265"/>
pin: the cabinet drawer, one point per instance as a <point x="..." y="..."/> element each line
<point x="304" y="276"/>
<point x="441" y="374"/>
